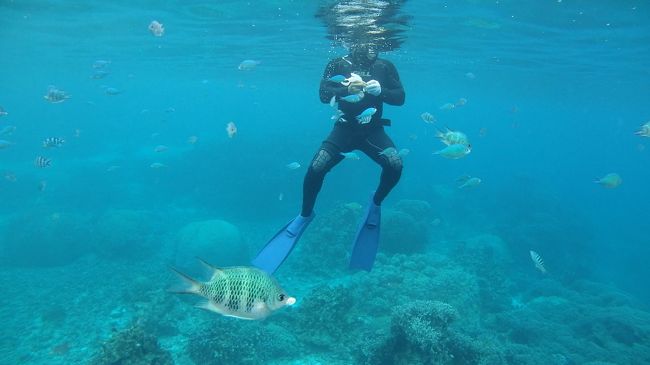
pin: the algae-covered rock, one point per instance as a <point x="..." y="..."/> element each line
<point x="216" y="241"/>
<point x="132" y="346"/>
<point x="43" y="239"/>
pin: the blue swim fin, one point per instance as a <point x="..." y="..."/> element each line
<point x="281" y="245"/>
<point x="366" y="241"/>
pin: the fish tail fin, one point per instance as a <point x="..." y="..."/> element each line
<point x="189" y="285"/>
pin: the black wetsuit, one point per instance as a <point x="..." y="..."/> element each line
<point x="348" y="134"/>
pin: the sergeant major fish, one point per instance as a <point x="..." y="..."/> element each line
<point x="240" y="292"/>
<point x="42" y="162"/>
<point x="53" y="142"/>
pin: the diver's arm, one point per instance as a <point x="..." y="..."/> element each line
<point x="392" y="91"/>
<point x="328" y="89"/>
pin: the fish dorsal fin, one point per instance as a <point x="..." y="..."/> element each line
<point x="212" y="270"/>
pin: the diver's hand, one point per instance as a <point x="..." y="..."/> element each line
<point x="373" y="87"/>
<point x="356" y="86"/>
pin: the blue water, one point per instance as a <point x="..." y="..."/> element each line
<point x="555" y="91"/>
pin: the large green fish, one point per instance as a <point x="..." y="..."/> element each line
<point x="241" y="292"/>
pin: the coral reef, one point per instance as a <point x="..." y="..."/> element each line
<point x="233" y="341"/>
<point x="405" y="227"/>
<point x="420" y="333"/>
<point x="132" y="346"/>
<point x="324" y="314"/>
<point x="216" y="241"/>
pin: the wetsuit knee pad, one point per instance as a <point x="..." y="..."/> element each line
<point x="321" y="161"/>
<point x="395" y="163"/>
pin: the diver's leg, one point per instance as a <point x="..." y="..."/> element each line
<point x="324" y="160"/>
<point x="391" y="164"/>
<point x="366" y="240"/>
<point x="281" y="245"/>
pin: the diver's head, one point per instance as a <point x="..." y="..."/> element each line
<point x="363" y="54"/>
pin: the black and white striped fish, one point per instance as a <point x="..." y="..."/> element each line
<point x="53" y="142"/>
<point x="42" y="162"/>
<point x="241" y="292"/>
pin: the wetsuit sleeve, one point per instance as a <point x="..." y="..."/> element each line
<point x="392" y="91"/>
<point x="329" y="88"/>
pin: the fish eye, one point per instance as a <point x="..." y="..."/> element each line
<point x="282" y="297"/>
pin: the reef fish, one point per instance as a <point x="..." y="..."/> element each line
<point x="248" y="65"/>
<point x="55" y="95"/>
<point x="450" y="137"/>
<point x="240" y="292"/>
<point x="293" y="165"/>
<point x="610" y="181"/>
<point x="4" y="144"/>
<point x="3" y="112"/>
<point x="454" y="151"/>
<point x="231" y="129"/>
<point x="353" y="98"/>
<point x="644" y="131"/>
<point x="366" y="116"/>
<point x="468" y="182"/>
<point x="538" y="261"/>
<point x="428" y="117"/>
<point x="42" y="162"/>
<point x="156" y="28"/>
<point x="53" y="142"/>
<point x="8" y="130"/>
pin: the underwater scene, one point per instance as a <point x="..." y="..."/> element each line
<point x="325" y="182"/>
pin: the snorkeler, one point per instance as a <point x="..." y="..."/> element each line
<point x="357" y="84"/>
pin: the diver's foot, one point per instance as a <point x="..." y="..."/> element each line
<point x="366" y="241"/>
<point x="281" y="245"/>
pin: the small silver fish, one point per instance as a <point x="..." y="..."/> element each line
<point x="366" y="116"/>
<point x="55" y="95"/>
<point x="447" y="106"/>
<point x="160" y="148"/>
<point x="248" y="65"/>
<point x="42" y="162"/>
<point x="157" y="165"/>
<point x="454" y="151"/>
<point x="3" y="112"/>
<point x="350" y="155"/>
<point x="610" y="181"/>
<point x="293" y="165"/>
<point x="389" y="152"/>
<point x="53" y="142"/>
<point x="156" y="28"/>
<point x="337" y="78"/>
<point x="7" y="131"/>
<point x="353" y="98"/>
<point x="337" y="116"/>
<point x="99" y="74"/>
<point x="403" y="152"/>
<point x="112" y="91"/>
<point x="644" y="131"/>
<point x="99" y="64"/>
<point x="470" y="182"/>
<point x="240" y="292"/>
<point x="5" y="144"/>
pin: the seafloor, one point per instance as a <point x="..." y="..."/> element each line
<point x="442" y="292"/>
